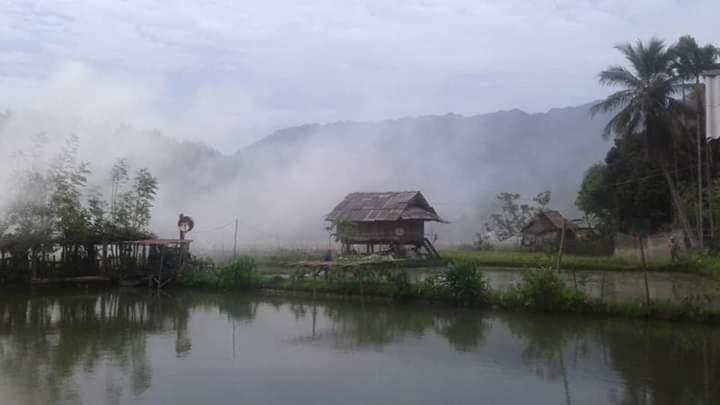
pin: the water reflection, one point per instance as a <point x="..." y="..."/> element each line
<point x="112" y="348"/>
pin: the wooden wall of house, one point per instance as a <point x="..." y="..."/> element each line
<point x="540" y="226"/>
<point x="401" y="231"/>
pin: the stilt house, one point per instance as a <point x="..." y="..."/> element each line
<point x="384" y="218"/>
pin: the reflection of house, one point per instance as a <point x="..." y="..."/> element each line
<point x="388" y="218"/>
<point x="548" y="226"/>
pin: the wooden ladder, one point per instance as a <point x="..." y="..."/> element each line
<point x="430" y="248"/>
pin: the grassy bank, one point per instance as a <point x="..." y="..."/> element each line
<point x="506" y="258"/>
<point x="462" y="283"/>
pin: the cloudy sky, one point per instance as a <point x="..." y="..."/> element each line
<point x="229" y="71"/>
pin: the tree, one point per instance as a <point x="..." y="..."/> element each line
<point x="594" y="198"/>
<point x="118" y="177"/>
<point x="144" y="188"/>
<point x="69" y="177"/>
<point x="690" y="61"/>
<point x="97" y="211"/>
<point x="509" y="222"/>
<point x="647" y="109"/>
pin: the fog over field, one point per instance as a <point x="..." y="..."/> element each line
<point x="269" y="113"/>
<point x="281" y="187"/>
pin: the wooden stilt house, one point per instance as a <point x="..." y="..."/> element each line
<point x="389" y="219"/>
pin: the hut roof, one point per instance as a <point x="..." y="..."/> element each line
<point x="552" y="219"/>
<point x="384" y="206"/>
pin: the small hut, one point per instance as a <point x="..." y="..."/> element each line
<point x="391" y="219"/>
<point x="548" y="226"/>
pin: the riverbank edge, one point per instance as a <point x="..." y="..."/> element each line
<point x="567" y="302"/>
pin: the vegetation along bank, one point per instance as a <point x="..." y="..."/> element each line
<point x="461" y="283"/>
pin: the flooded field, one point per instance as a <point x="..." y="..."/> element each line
<point x="227" y="348"/>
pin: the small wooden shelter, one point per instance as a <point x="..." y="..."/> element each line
<point x="548" y="226"/>
<point x="384" y="218"/>
<point x="158" y="261"/>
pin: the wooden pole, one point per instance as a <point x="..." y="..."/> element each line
<point x="708" y="180"/>
<point x="701" y="235"/>
<point x="645" y="275"/>
<point x="235" y="240"/>
<point x="162" y="262"/>
<point x="560" y="254"/>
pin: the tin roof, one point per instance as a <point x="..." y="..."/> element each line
<point x="384" y="206"/>
<point x="554" y="219"/>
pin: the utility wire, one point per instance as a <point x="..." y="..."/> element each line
<point x="214" y="229"/>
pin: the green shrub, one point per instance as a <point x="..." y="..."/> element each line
<point x="544" y="290"/>
<point x="398" y="286"/>
<point x="239" y="274"/>
<point x="465" y="283"/>
<point x="461" y="284"/>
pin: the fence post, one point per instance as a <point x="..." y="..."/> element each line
<point x="645" y="275"/>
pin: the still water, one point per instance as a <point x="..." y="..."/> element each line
<point x="229" y="348"/>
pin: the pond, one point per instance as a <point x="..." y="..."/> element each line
<point x="133" y="347"/>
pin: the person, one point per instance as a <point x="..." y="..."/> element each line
<point x="674" y="250"/>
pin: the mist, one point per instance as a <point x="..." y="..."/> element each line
<point x="280" y="187"/>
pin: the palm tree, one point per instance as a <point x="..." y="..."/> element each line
<point x="647" y="108"/>
<point x="690" y="61"/>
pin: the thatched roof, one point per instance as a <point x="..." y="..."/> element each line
<point x="385" y="206"/>
<point x="549" y="220"/>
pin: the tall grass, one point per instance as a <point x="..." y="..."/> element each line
<point x="506" y="258"/>
<point x="238" y="274"/>
<point x="544" y="290"/>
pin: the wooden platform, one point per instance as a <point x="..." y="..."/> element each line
<point x="86" y="280"/>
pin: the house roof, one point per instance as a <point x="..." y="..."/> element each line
<point x="554" y="219"/>
<point x="384" y="206"/>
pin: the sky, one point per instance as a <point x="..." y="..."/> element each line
<point x="227" y="72"/>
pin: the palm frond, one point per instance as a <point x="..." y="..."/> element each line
<point x="618" y="75"/>
<point x="618" y="125"/>
<point x="646" y="59"/>
<point x="631" y="55"/>
<point x="614" y="101"/>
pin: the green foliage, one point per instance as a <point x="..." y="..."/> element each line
<point x="239" y="274"/>
<point x="594" y="198"/>
<point x="118" y="177"/>
<point x="52" y="203"/>
<point x="690" y="60"/>
<point x="144" y="189"/>
<point x="398" y="286"/>
<point x="69" y="177"/>
<point x="544" y="290"/>
<point x="461" y="284"/>
<point x="465" y="283"/>
<point x="647" y="109"/>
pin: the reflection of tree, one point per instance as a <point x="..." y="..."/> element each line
<point x="238" y="307"/>
<point x="465" y="331"/>
<point x="43" y="342"/>
<point x="356" y="326"/>
<point x="548" y="339"/>
<point x="665" y="364"/>
<point x="658" y="363"/>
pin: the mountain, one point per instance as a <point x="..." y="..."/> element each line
<point x="281" y="187"/>
<point x="460" y="163"/>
